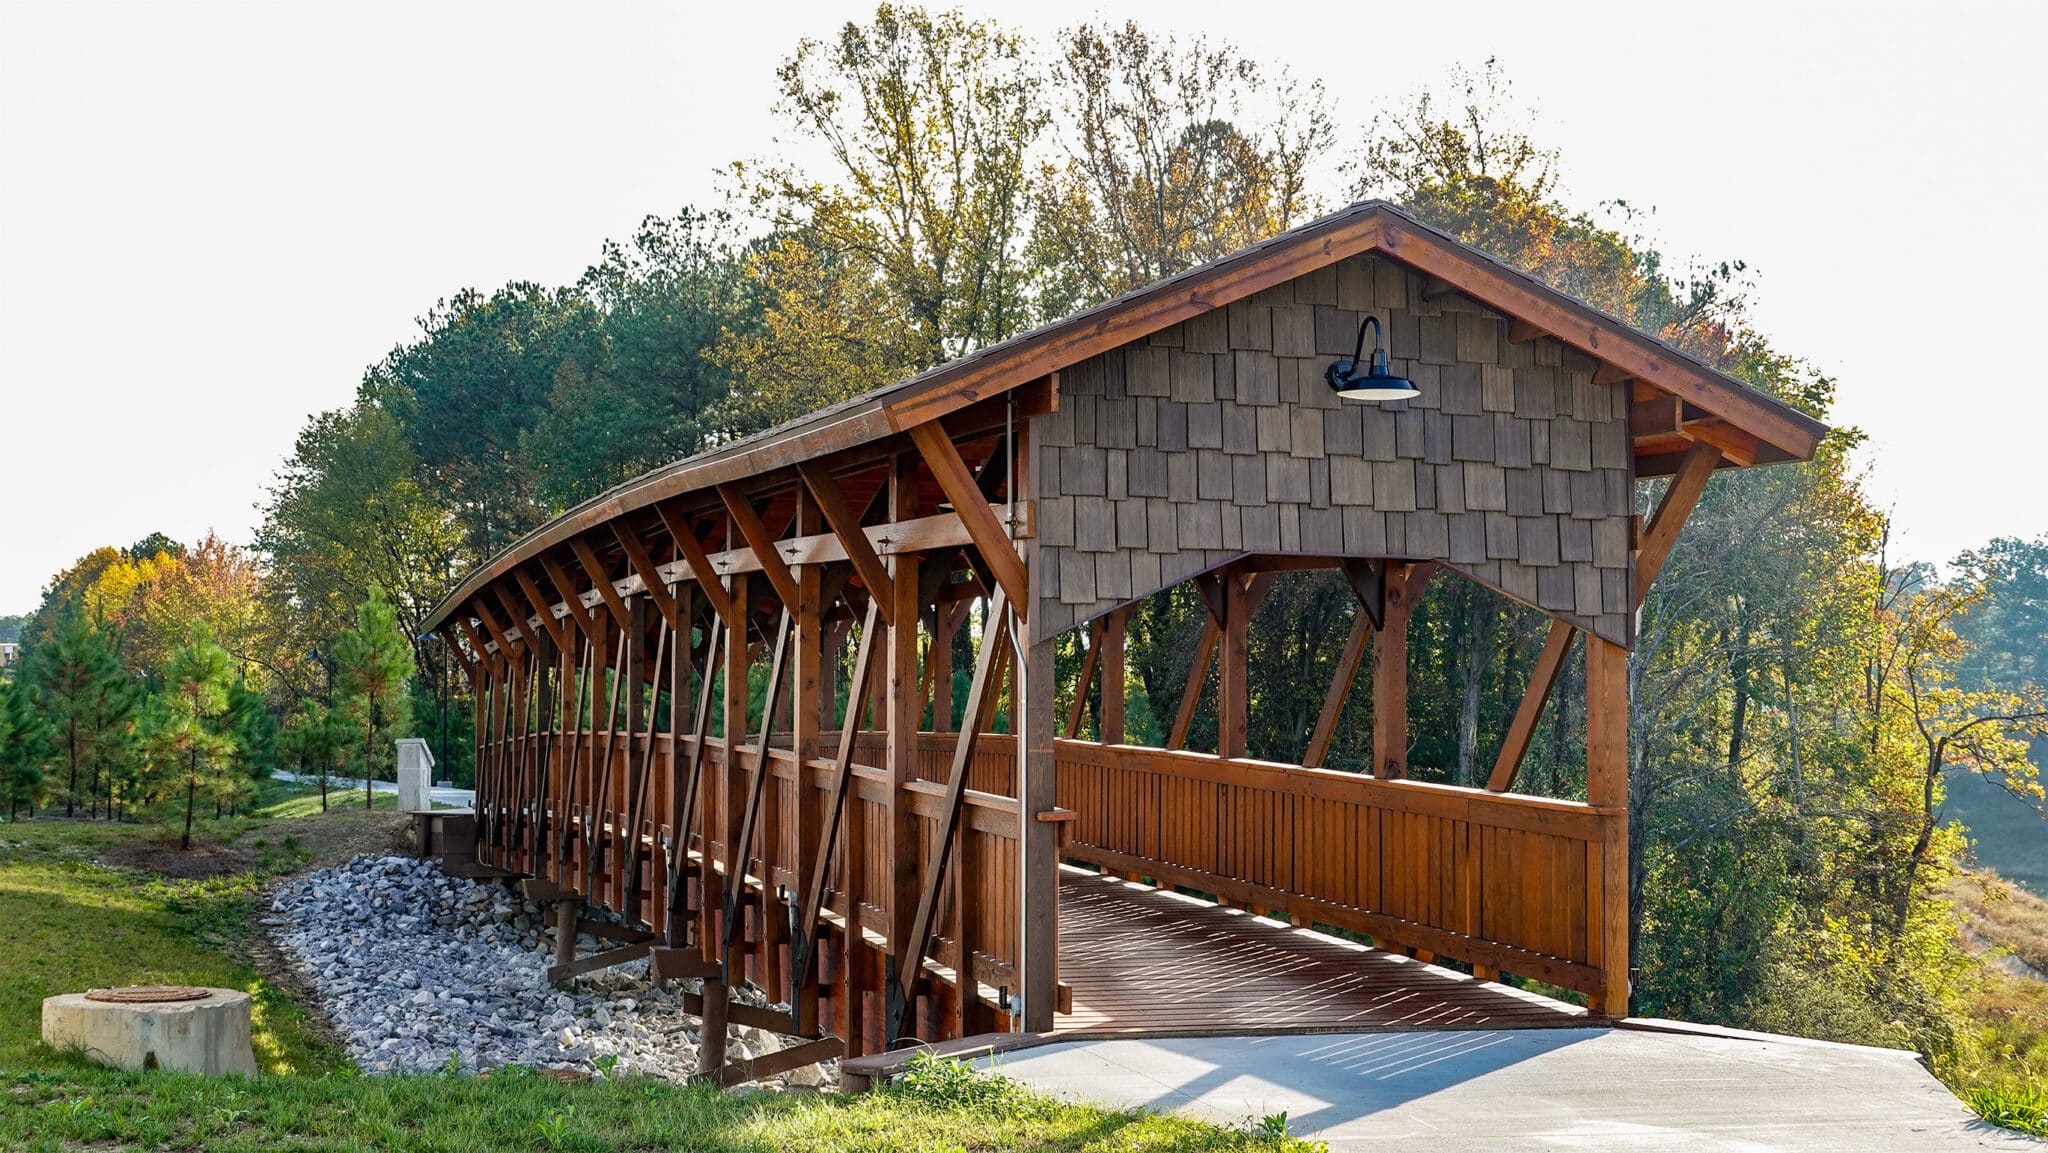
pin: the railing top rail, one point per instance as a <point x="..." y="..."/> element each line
<point x="1470" y="803"/>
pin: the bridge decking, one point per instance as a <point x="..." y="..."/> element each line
<point x="1143" y="959"/>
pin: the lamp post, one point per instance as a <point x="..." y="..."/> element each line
<point x="1373" y="381"/>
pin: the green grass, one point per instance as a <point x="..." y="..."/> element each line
<point x="2022" y="1108"/>
<point x="68" y="923"/>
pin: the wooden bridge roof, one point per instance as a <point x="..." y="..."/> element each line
<point x="1678" y="400"/>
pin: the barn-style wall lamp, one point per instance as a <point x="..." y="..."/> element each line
<point x="1371" y="382"/>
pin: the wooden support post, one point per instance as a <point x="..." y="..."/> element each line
<point x="1038" y="871"/>
<point x="565" y="930"/>
<point x="905" y="705"/>
<point x="806" y="722"/>
<point x="981" y="701"/>
<point x="1112" y="666"/>
<point x="721" y="824"/>
<point x="1607" y="787"/>
<point x="1404" y="585"/>
<point x="1233" y="694"/>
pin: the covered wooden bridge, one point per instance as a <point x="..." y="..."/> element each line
<point x="663" y="673"/>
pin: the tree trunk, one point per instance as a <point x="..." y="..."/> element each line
<point x="191" y="791"/>
<point x="1902" y="900"/>
<point x="369" y="751"/>
<point x="71" y="787"/>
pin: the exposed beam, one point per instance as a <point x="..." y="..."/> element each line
<point x="845" y="525"/>
<point x="1346" y="675"/>
<point x="516" y="613"/>
<point x="1405" y="582"/>
<point x="650" y="575"/>
<point x="997" y="550"/>
<point x="571" y="599"/>
<point x="1522" y="332"/>
<point x="1087" y="677"/>
<point x="541" y="605"/>
<point x="701" y="566"/>
<point x="1680" y="497"/>
<point x="484" y="655"/>
<point x="1368" y="581"/>
<point x="1198" y="674"/>
<point x="758" y="538"/>
<point x="498" y="634"/>
<point x="1605" y="373"/>
<point x="1676" y="506"/>
<point x="1522" y="730"/>
<point x="602" y="579"/>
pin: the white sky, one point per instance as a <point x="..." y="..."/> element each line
<point x="213" y="216"/>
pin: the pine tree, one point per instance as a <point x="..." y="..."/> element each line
<point x="85" y="696"/>
<point x="187" y="726"/>
<point x="374" y="670"/>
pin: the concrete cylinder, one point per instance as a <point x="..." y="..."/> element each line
<point x="206" y="1035"/>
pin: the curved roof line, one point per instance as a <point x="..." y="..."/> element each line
<point x="1367" y="226"/>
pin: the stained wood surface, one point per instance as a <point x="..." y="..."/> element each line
<point x="1139" y="959"/>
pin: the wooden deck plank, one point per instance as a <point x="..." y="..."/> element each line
<point x="1141" y="959"/>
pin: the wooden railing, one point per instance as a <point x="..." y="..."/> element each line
<point x="1507" y="883"/>
<point x="978" y="904"/>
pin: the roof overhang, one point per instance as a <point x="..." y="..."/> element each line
<point x="1678" y="401"/>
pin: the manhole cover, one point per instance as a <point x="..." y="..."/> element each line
<point x="148" y="994"/>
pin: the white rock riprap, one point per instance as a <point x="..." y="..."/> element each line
<point x="414" y="966"/>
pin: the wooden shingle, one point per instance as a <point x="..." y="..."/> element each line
<point x="1294" y="330"/>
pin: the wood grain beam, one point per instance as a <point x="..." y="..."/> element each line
<point x="1362" y="625"/>
<point x="981" y="703"/>
<point x="845" y="524"/>
<point x="758" y="538"/>
<point x="1087" y="677"/>
<point x="541" y="605"/>
<point x="685" y="537"/>
<point x="1679" y="499"/>
<point x="572" y="601"/>
<point x="602" y="579"/>
<point x="1198" y="675"/>
<point x="650" y="574"/>
<point x="996" y="548"/>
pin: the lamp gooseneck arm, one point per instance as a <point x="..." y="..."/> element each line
<point x="1359" y="352"/>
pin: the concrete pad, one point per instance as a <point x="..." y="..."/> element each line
<point x="1507" y="1091"/>
<point x="208" y="1035"/>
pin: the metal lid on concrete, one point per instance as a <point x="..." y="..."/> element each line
<point x="148" y="994"/>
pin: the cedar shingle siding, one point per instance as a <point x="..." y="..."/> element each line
<point x="1217" y="437"/>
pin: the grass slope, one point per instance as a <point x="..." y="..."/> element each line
<point x="68" y="923"/>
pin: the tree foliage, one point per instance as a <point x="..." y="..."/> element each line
<point x="374" y="667"/>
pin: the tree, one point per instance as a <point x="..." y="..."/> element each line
<point x="254" y="732"/>
<point x="467" y="392"/>
<point x="374" y="667"/>
<point x="311" y="736"/>
<point x="666" y="298"/>
<point x="187" y="726"/>
<point x="1166" y="164"/>
<point x="348" y="512"/>
<point x="2004" y="629"/>
<point x="1928" y="723"/>
<point x="927" y="120"/>
<point x="22" y="747"/>
<point x="86" y="697"/>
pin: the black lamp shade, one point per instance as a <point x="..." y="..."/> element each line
<point x="1371" y="381"/>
